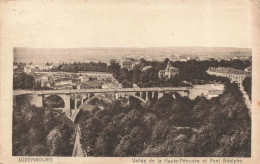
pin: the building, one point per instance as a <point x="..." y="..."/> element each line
<point x="62" y="87"/>
<point x="168" y="72"/>
<point x="15" y="67"/>
<point x="113" y="61"/>
<point x="127" y="63"/>
<point x="108" y="86"/>
<point x="21" y="66"/>
<point x="248" y="69"/>
<point x="234" y="75"/>
<point x="63" y="82"/>
<point x="83" y="78"/>
<point x="184" y="59"/>
<point x="96" y="75"/>
<point x="213" y="93"/>
<point x="84" y="85"/>
<point x="29" y="69"/>
<point x="57" y="76"/>
<point x="43" y="67"/>
<point x="146" y="68"/>
<point x="44" y="80"/>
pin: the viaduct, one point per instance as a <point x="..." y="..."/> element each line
<point x="84" y="96"/>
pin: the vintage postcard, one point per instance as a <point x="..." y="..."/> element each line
<point x="109" y="81"/>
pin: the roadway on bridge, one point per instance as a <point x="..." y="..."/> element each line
<point x="50" y="92"/>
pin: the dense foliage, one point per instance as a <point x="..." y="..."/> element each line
<point x="170" y="127"/>
<point x="40" y="131"/>
<point x="76" y="67"/>
<point x="192" y="72"/>
<point x="22" y="80"/>
<point x="247" y="84"/>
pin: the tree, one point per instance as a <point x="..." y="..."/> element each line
<point x="23" y="81"/>
<point x="165" y="62"/>
<point x="34" y="128"/>
<point x="247" y="84"/>
<point x="136" y="74"/>
<point x="114" y="68"/>
<point x="123" y="75"/>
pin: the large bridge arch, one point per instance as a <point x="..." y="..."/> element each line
<point x="76" y="113"/>
<point x="54" y="99"/>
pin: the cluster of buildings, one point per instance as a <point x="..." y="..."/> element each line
<point x="168" y="72"/>
<point x="31" y="68"/>
<point x="81" y="80"/>
<point x="127" y="63"/>
<point x="234" y="75"/>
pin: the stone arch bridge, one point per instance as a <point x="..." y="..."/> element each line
<point x="84" y="96"/>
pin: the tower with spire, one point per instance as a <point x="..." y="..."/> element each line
<point x="168" y="72"/>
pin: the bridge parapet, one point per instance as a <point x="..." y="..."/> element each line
<point x="51" y="92"/>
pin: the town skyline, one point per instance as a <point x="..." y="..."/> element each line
<point x="104" y="54"/>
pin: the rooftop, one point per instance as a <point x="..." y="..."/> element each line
<point x="227" y="70"/>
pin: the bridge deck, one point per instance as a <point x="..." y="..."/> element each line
<point x="50" y="92"/>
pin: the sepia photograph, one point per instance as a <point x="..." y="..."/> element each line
<point x="152" y="102"/>
<point x="146" y="81"/>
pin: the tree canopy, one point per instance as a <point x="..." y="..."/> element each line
<point x="171" y="126"/>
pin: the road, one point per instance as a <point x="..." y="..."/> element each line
<point x="247" y="100"/>
<point x="77" y="150"/>
<point x="50" y="92"/>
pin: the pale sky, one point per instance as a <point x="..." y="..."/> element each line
<point x="125" y="23"/>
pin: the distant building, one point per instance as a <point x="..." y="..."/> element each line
<point x="214" y="93"/>
<point x="21" y="66"/>
<point x="15" y="67"/>
<point x="113" y="61"/>
<point x="49" y="84"/>
<point x="83" y="78"/>
<point x="183" y="59"/>
<point x="135" y="86"/>
<point x="63" y="82"/>
<point x="84" y="85"/>
<point x="43" y="67"/>
<point x="234" y="75"/>
<point x="44" y="80"/>
<point x="248" y="69"/>
<point x="108" y="86"/>
<point x="57" y="76"/>
<point x="97" y="75"/>
<point x="146" y="68"/>
<point x="29" y="69"/>
<point x="127" y="63"/>
<point x="60" y="87"/>
<point x="168" y="72"/>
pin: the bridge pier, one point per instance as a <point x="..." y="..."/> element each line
<point x="152" y="95"/>
<point x="188" y="93"/>
<point x="75" y="103"/>
<point x="66" y="99"/>
<point x="116" y="96"/>
<point x="142" y="95"/>
<point x="146" y="96"/>
<point x="160" y="95"/>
